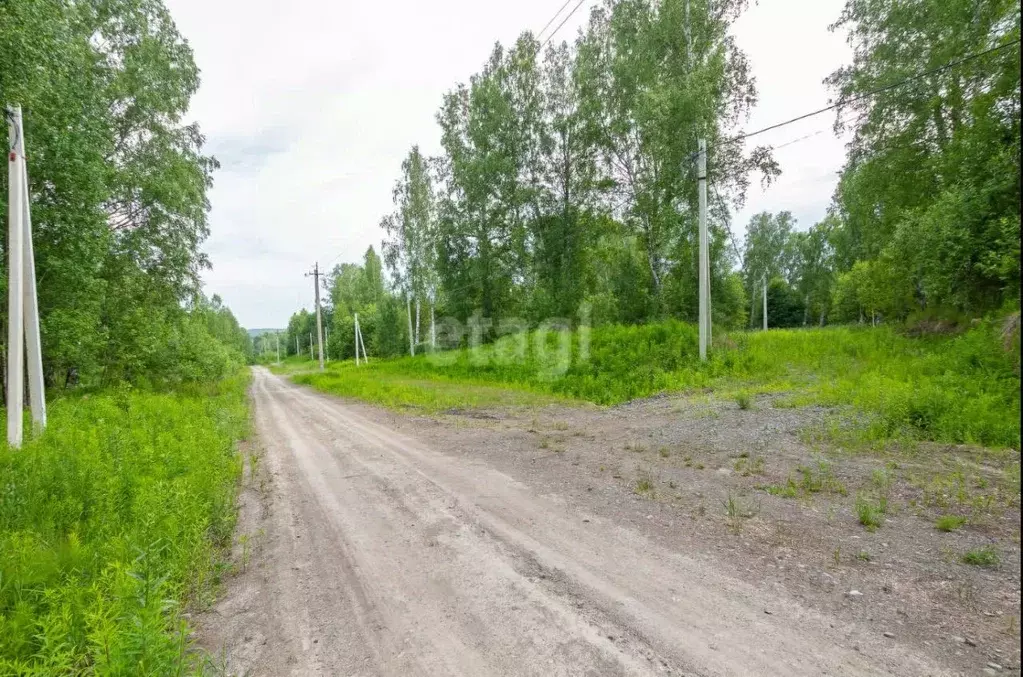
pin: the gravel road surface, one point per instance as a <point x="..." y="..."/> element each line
<point x="375" y="554"/>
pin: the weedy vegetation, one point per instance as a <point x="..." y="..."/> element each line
<point x="985" y="556"/>
<point x="870" y="512"/>
<point x="114" y="522"/>
<point x="644" y="485"/>
<point x="949" y="523"/>
<point x="739" y="509"/>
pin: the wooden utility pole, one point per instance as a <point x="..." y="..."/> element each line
<point x="22" y="301"/>
<point x="315" y="274"/>
<point x="704" y="252"/>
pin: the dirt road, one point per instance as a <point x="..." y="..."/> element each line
<point x="378" y="555"/>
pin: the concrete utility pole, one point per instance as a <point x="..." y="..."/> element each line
<point x="356" y="332"/>
<point x="704" y="252"/>
<point x="311" y="355"/>
<point x="319" y="320"/>
<point x="411" y="337"/>
<point x="278" y="335"/>
<point x="765" y="301"/>
<point x="359" y="342"/>
<point x="23" y="308"/>
<point x="433" y="328"/>
<point x="417" y="320"/>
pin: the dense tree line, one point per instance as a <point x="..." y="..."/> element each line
<point x="118" y="186"/>
<point x="568" y="179"/>
<point x="926" y="217"/>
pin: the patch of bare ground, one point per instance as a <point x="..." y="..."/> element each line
<point x="875" y="538"/>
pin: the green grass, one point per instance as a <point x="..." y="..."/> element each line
<point x="869" y="512"/>
<point x="429" y="395"/>
<point x="816" y="478"/>
<point x="293" y="365"/>
<point x="111" y="523"/>
<point x="958" y="389"/>
<point x="982" y="557"/>
<point x="949" y="523"/>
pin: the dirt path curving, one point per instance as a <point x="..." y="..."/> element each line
<point x="379" y="555"/>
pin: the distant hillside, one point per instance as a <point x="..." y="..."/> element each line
<point x="253" y="333"/>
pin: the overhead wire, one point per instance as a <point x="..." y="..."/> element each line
<point x="556" y="14"/>
<point x="845" y="102"/>
<point x="563" y="22"/>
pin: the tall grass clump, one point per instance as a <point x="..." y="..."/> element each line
<point x="110" y="523"/>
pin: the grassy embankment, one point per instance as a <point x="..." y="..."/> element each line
<point x="956" y="389"/>
<point x="111" y="524"/>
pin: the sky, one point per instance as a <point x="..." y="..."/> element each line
<point x="311" y="106"/>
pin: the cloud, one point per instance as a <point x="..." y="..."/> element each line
<point x="247" y="153"/>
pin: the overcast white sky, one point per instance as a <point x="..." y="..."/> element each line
<point x="311" y="105"/>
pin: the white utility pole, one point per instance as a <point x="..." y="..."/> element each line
<point x="23" y="307"/>
<point x="356" y="339"/>
<point x="16" y="280"/>
<point x="433" y="329"/>
<point x="360" y="341"/>
<point x="411" y="337"/>
<point x="278" y="334"/>
<point x="311" y="355"/>
<point x="765" y="301"/>
<point x="298" y="348"/>
<point x="704" y="252"/>
<point x="319" y="320"/>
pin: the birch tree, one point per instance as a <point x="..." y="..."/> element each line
<point x="409" y="248"/>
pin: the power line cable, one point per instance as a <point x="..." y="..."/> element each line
<point x="799" y="139"/>
<point x="556" y="14"/>
<point x="894" y="85"/>
<point x="563" y="22"/>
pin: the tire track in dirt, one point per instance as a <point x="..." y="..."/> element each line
<point x="384" y="556"/>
